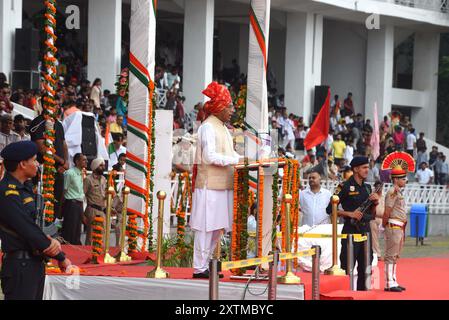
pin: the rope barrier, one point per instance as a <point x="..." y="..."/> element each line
<point x="256" y="261"/>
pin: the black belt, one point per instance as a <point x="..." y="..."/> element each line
<point x="20" y="254"/>
<point x="94" y="206"/>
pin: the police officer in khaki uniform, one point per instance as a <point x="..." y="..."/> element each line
<point x="95" y="186"/>
<point x="394" y="221"/>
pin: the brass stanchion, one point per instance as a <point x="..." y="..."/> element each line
<point x="122" y="256"/>
<point x="289" y="277"/>
<point x="158" y="272"/>
<point x="335" y="270"/>
<point x="107" y="257"/>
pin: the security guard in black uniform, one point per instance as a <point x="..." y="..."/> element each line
<point x="352" y="193"/>
<point x="24" y="245"/>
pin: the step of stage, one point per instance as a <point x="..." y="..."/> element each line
<point x="349" y="295"/>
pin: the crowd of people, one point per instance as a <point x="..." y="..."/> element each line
<point x="349" y="133"/>
<point x="80" y="181"/>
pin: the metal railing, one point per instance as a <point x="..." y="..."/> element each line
<point x="433" y="5"/>
<point x="161" y="97"/>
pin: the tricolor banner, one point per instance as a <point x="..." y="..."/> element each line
<point x="257" y="96"/>
<point x="139" y="143"/>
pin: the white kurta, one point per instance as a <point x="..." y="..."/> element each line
<point x="212" y="209"/>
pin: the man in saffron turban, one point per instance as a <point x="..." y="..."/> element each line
<point x="212" y="202"/>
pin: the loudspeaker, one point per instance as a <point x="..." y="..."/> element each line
<point x="25" y="80"/>
<point x="88" y="138"/>
<point x="320" y="97"/>
<point x="26" y="49"/>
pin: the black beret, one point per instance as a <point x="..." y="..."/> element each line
<point x="19" y="151"/>
<point x="358" y="161"/>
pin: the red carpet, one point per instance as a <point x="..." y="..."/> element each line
<point x="424" y="278"/>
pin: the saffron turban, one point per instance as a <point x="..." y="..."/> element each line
<point x="219" y="96"/>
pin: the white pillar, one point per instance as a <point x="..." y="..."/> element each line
<point x="198" y="50"/>
<point x="104" y="41"/>
<point x="425" y="78"/>
<point x="379" y="71"/>
<point x="244" y="48"/>
<point x="10" y="19"/>
<point x="163" y="165"/>
<point x="303" y="56"/>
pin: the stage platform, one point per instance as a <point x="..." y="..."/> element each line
<point x="128" y="281"/>
<point x="424" y="278"/>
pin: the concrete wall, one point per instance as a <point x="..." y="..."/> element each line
<point x="344" y="60"/>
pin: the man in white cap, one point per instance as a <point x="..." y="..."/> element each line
<point x="95" y="191"/>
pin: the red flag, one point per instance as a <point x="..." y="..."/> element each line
<point x="320" y="127"/>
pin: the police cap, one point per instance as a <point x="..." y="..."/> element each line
<point x="19" y="151"/>
<point x="359" y="161"/>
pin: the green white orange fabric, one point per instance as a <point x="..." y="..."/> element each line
<point x="257" y="97"/>
<point x="139" y="146"/>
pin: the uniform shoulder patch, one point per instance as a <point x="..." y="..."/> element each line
<point x="28" y="200"/>
<point x="9" y="192"/>
<point x="12" y="186"/>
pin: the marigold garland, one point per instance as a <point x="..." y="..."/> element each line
<point x="49" y="80"/>
<point x="148" y="219"/>
<point x="239" y="241"/>
<point x="235" y="216"/>
<point x="238" y="120"/>
<point x="275" y="192"/>
<point x="181" y="212"/>
<point x="284" y="192"/>
<point x="260" y="190"/>
<point x="97" y="238"/>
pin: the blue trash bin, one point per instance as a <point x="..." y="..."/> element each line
<point x="418" y="220"/>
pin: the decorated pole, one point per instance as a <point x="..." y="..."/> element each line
<point x="49" y="82"/>
<point x="257" y="96"/>
<point x="141" y="111"/>
<point x="256" y="120"/>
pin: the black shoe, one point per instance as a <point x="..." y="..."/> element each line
<point x="202" y="275"/>
<point x="393" y="289"/>
<point x="402" y="288"/>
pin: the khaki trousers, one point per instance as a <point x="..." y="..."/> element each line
<point x="394" y="240"/>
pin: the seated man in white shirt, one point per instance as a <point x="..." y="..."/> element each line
<point x="424" y="175"/>
<point x="314" y="200"/>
